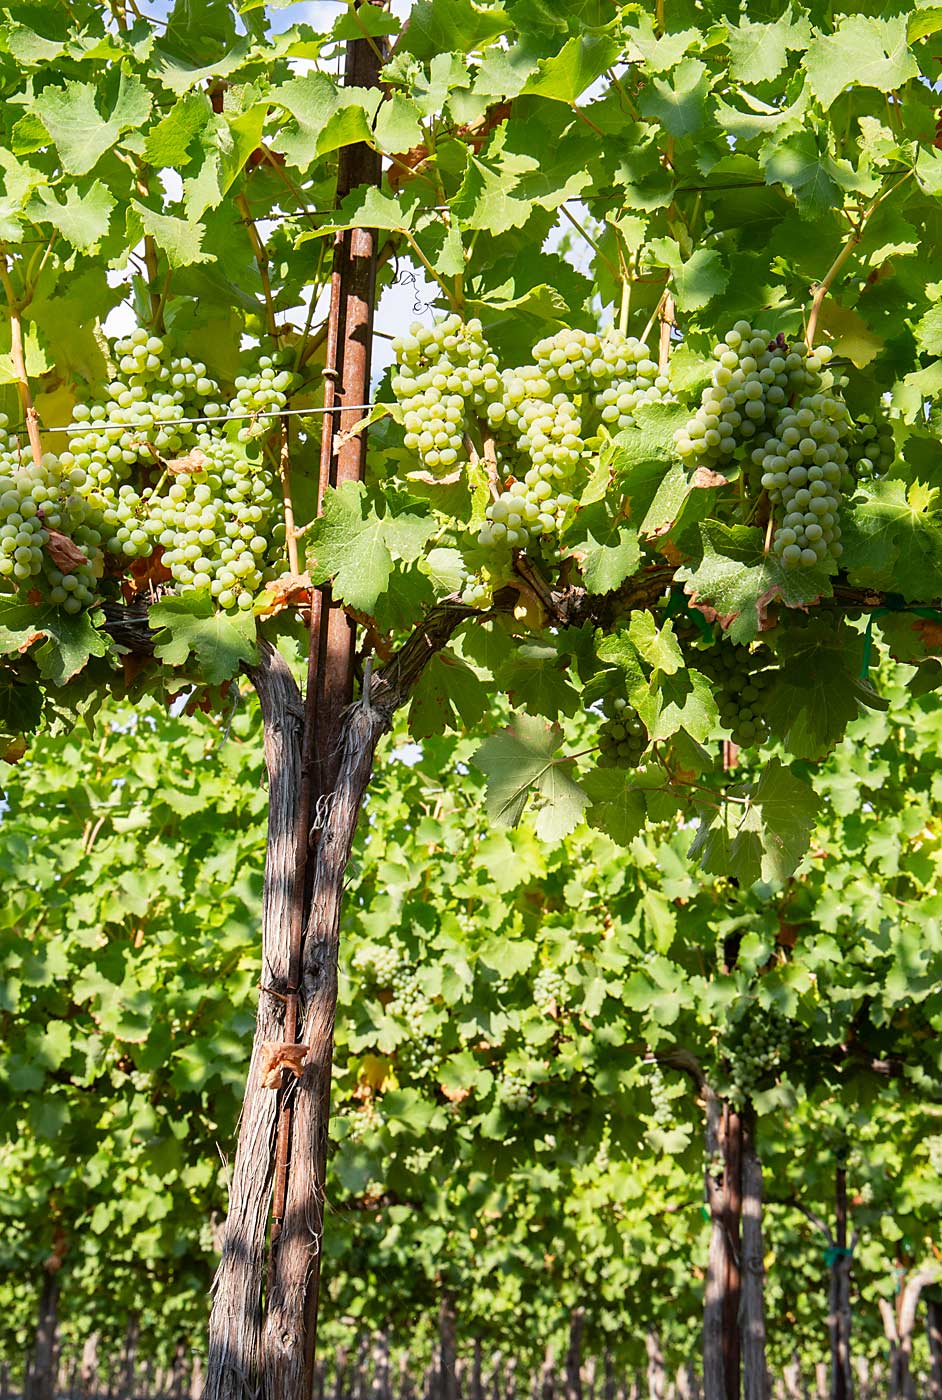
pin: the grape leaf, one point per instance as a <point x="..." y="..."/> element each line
<point x="324" y="117"/>
<point x="818" y="689"/>
<point x="80" y="133"/>
<point x="566" y="75"/>
<point x="764" y="832"/>
<point x="893" y="538"/>
<point x="188" y="626"/>
<point x="83" y="219"/>
<point x="678" y="102"/>
<point x="676" y="700"/>
<point x="535" y="681"/>
<point x="796" y="162"/>
<point x="608" y="548"/>
<point x="21" y="704"/>
<point x="758" y="52"/>
<point x="169" y="141"/>
<point x="448" y="695"/>
<point x="523" y="762"/>
<point x="697" y="279"/>
<point x="354" y="546"/>
<point x="864" y="51"/>
<point x="615" y="806"/>
<point x="66" y="643"/>
<point x="180" y="239"/>
<point x="739" y="582"/>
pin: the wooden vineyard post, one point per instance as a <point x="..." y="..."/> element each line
<point x="327" y="822"/>
<point x="264" y="1316"/>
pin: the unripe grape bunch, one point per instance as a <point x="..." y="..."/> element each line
<point x="741" y="680"/>
<point x="513" y="1091"/>
<point x="622" y="735"/>
<point x="549" y="991"/>
<point x="756" y="1049"/>
<point x="782" y="403"/>
<point x="137" y="477"/>
<point x="534" y="427"/>
<point x="660" y="1099"/>
<point x="36" y="500"/>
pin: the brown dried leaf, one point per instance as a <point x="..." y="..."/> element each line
<point x="405" y="166"/>
<point x="704" y="478"/>
<point x="12" y="749"/>
<point x="278" y="1055"/>
<point x="151" y="570"/>
<point x="930" y="634"/>
<point x="64" y="553"/>
<point x="27" y="642"/>
<point x="455" y="1095"/>
<point x="195" y="461"/>
<point x="787" y="935"/>
<point x="133" y="666"/>
<point x="287" y="591"/>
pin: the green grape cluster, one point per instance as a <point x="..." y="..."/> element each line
<point x="379" y="961"/>
<point x="753" y="378"/>
<point x="547" y="430"/>
<point x="741" y="680"/>
<point x="756" y="1048"/>
<point x="364" y="1120"/>
<point x="513" y="1091"/>
<point x="419" y="1160"/>
<point x="622" y="735"/>
<point x="569" y="357"/>
<point x="215" y="525"/>
<point x="804" y="471"/>
<point x="213" y="513"/>
<point x="264" y="392"/>
<point x="549" y="991"/>
<point x="35" y="499"/>
<point x="409" y="1002"/>
<point x="442" y="370"/>
<point x="533" y="417"/>
<point x="871" y="448"/>
<point x="660" y="1099"/>
<point x="626" y="376"/>
<point x="135" y="418"/>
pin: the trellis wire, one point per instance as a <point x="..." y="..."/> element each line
<point x="91" y="425"/>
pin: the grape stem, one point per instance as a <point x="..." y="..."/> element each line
<point x="261" y="259"/>
<point x="18" y="358"/>
<point x="667" y="321"/>
<point x="592" y="243"/>
<point x="284" y="473"/>
<point x="488" y="455"/>
<point x="827" y="281"/>
<point x="768" y="533"/>
<point x="654" y="315"/>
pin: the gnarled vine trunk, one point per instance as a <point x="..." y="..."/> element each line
<point x="41" y="1379"/>
<point x="574" y="1355"/>
<point x="934" y="1338"/>
<point x="721" y="1351"/>
<point x="235" y="1329"/>
<point x="752" y="1307"/>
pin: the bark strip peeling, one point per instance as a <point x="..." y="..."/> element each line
<point x="239" y="1325"/>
